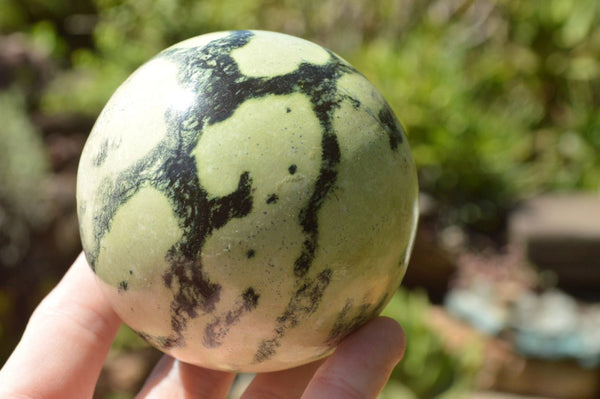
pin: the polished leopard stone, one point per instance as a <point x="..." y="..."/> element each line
<point x="247" y="199"/>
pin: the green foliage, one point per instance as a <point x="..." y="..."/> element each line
<point x="499" y="103"/>
<point x="499" y="99"/>
<point x="12" y="17"/>
<point x="23" y="165"/>
<point x="23" y="170"/>
<point x="118" y="395"/>
<point x="127" y="339"/>
<point x="428" y="370"/>
<point x="128" y="34"/>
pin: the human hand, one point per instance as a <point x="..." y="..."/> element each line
<point x="69" y="335"/>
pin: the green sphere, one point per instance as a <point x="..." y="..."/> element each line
<point x="246" y="199"/>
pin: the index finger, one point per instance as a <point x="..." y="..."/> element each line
<point x="65" y="343"/>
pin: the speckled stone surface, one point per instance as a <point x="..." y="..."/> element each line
<point x="246" y="200"/>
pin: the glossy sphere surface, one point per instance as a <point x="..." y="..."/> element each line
<point x="246" y="199"/>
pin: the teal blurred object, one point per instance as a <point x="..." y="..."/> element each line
<point x="551" y="325"/>
<point x="478" y="306"/>
<point x="554" y="326"/>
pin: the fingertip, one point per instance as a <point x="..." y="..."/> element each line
<point x="172" y="378"/>
<point x="391" y="331"/>
<point x="362" y="363"/>
<point x="380" y="332"/>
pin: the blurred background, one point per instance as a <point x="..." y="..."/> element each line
<point x="501" y="103"/>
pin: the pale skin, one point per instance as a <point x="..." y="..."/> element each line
<point x="69" y="335"/>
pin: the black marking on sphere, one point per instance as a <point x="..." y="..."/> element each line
<point x="272" y="199"/>
<point x="305" y="302"/>
<point x="353" y="316"/>
<point x="158" y="341"/>
<point x="102" y="154"/>
<point x="216" y="330"/>
<point x="170" y="167"/>
<point x="391" y="126"/>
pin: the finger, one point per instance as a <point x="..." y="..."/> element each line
<point x="281" y="384"/>
<point x="177" y="380"/>
<point x="362" y="364"/>
<point x="65" y="343"/>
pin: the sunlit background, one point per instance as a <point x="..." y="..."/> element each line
<point x="501" y="102"/>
